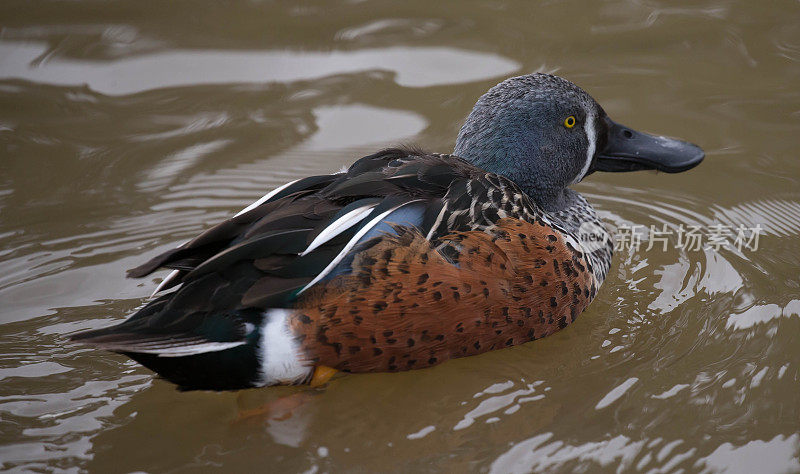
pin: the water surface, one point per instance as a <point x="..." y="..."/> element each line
<point x="127" y="128"/>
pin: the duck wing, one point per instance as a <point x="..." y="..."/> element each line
<point x="300" y="234"/>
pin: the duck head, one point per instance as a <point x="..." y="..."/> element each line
<point x="545" y="133"/>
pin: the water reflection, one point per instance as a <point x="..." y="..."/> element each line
<point x="510" y="401"/>
<point x="538" y="455"/>
<point x="413" y="67"/>
<point x="775" y="455"/>
<point x="61" y="424"/>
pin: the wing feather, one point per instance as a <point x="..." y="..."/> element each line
<point x="302" y="233"/>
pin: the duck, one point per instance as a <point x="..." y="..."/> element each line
<point x="402" y="261"/>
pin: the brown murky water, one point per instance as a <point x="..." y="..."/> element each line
<point x="127" y="127"/>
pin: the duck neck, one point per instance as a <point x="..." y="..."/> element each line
<point x="577" y="217"/>
<point x="567" y="208"/>
<point x="539" y="185"/>
<point x="553" y="201"/>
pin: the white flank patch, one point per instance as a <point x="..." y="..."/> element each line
<point x="265" y="198"/>
<point x="591" y="136"/>
<point x="338" y="226"/>
<point x="182" y="351"/>
<point x="351" y="243"/>
<point x="282" y="360"/>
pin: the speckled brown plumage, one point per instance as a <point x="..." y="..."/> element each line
<point x="406" y="307"/>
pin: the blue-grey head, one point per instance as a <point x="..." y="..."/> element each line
<point x="545" y="133"/>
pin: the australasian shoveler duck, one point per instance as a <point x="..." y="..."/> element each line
<point x="405" y="260"/>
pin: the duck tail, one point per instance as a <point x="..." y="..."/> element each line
<point x="203" y="351"/>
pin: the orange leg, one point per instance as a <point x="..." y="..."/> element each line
<point x="322" y="374"/>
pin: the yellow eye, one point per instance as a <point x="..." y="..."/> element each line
<point x="569" y="122"/>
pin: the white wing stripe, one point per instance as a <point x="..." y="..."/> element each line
<point x="265" y="198"/>
<point x="338" y="226"/>
<point x="182" y="351"/>
<point x="172" y="275"/>
<point x="351" y="243"/>
<point x="437" y="223"/>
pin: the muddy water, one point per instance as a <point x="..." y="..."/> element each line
<point x="129" y="127"/>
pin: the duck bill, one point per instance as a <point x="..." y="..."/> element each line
<point x="629" y="150"/>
